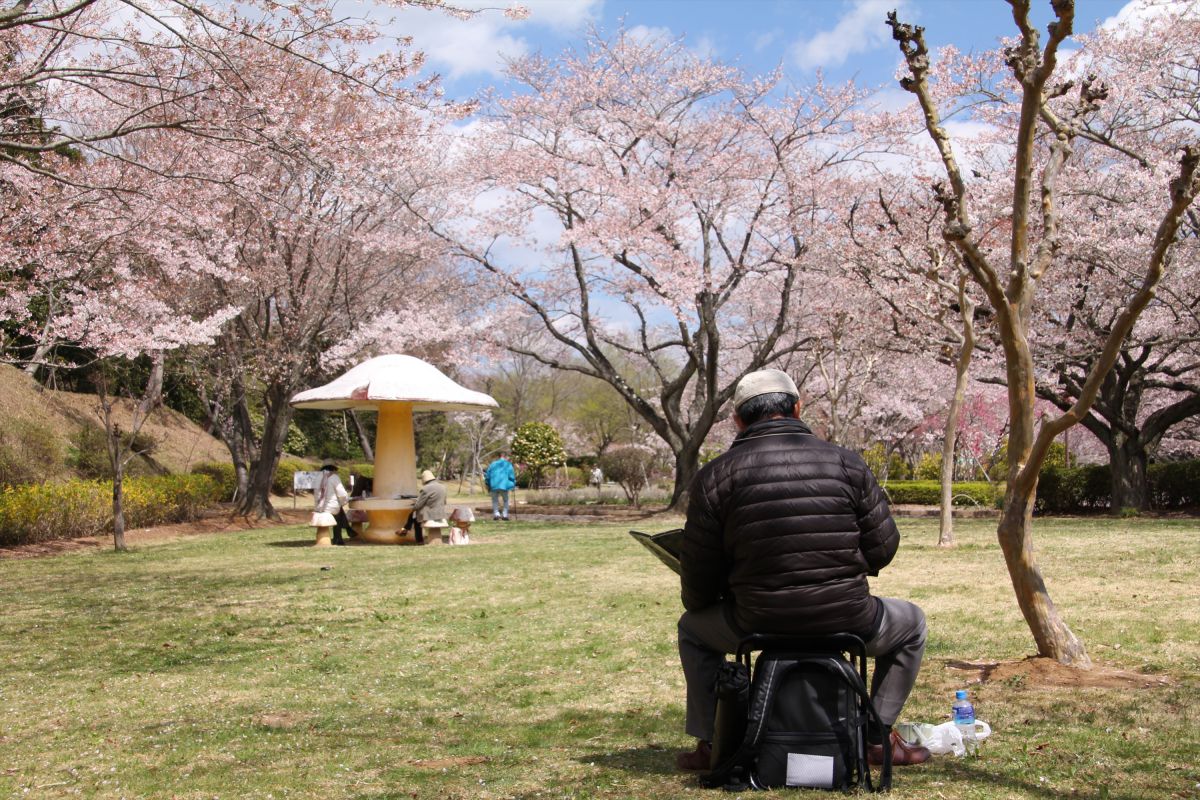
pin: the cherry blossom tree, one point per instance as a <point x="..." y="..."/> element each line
<point x="85" y="74"/>
<point x="652" y="208"/>
<point x="901" y="256"/>
<point x="1044" y="123"/>
<point x="264" y="185"/>
<point x="1154" y="385"/>
<point x="113" y="286"/>
<point x="330" y="264"/>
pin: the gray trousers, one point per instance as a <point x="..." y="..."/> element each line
<point x="500" y="503"/>
<point x="706" y="636"/>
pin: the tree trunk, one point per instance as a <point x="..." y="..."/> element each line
<point x="962" y="366"/>
<point x="1015" y="533"/>
<point x="1054" y="639"/>
<point x="120" y="449"/>
<point x="687" y="464"/>
<point x="277" y="416"/>
<point x="1130" y="484"/>
<point x="364" y="440"/>
<point x="118" y="504"/>
<point x="946" y="527"/>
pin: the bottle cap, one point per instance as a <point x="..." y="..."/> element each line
<point x="961" y="694"/>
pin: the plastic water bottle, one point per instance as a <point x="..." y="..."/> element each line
<point x="964" y="720"/>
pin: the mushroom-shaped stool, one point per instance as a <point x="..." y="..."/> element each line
<point x="395" y="386"/>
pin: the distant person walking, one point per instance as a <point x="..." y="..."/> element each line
<point x="501" y="479"/>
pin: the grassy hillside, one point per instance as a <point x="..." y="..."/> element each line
<point x="179" y="443"/>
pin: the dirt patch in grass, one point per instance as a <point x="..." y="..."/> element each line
<point x="215" y="522"/>
<point x="282" y="720"/>
<point x="1046" y="672"/>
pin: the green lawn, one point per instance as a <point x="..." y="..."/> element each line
<point x="539" y="662"/>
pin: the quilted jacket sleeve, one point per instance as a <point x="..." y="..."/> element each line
<point x="879" y="538"/>
<point x="703" y="571"/>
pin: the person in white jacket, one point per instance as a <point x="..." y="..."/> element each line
<point x="329" y="497"/>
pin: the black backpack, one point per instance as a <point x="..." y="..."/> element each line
<point x="801" y="721"/>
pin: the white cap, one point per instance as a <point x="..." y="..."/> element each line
<point x="427" y="476"/>
<point x="765" y="381"/>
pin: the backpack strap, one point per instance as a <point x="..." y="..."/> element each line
<point x="854" y="680"/>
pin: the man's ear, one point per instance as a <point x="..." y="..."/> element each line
<point x="737" y="422"/>
<point x="796" y="410"/>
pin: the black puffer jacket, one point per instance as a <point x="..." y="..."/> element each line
<point x="788" y="526"/>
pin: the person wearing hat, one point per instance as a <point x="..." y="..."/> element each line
<point x="782" y="531"/>
<point x="329" y="497"/>
<point x="429" y="509"/>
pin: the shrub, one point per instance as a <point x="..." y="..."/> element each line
<point x="1056" y="456"/>
<point x="68" y="510"/>
<point x="631" y="467"/>
<point x="1069" y="491"/>
<point x="29" y="453"/>
<point x="1171" y="485"/>
<point x="223" y="474"/>
<point x="362" y="468"/>
<point x="929" y="493"/>
<point x="929" y="468"/>
<point x="281" y="484"/>
<point x="892" y="468"/>
<point x="1174" y="484"/>
<point x="538" y="447"/>
<point x="577" y="477"/>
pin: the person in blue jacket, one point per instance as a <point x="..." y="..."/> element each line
<point x="501" y="479"/>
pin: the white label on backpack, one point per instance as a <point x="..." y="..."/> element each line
<point x="814" y="772"/>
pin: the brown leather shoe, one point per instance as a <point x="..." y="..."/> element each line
<point x="697" y="760"/>
<point x="903" y="753"/>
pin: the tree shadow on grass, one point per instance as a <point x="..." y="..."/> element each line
<point x="972" y="772"/>
<point x="291" y="543"/>
<point x="649" y="759"/>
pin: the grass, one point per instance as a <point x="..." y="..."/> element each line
<point x="540" y="663"/>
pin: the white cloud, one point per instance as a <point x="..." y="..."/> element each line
<point x="562" y="15"/>
<point x="645" y="33"/>
<point x="481" y="45"/>
<point x="763" y="41"/>
<point x="1137" y="12"/>
<point x="889" y="99"/>
<point x="705" y="48"/>
<point x="859" y="30"/>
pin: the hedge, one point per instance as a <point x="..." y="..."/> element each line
<point x="1064" y="490"/>
<point x="70" y="509"/>
<point x="929" y="493"/>
<point x="1172" y="485"/>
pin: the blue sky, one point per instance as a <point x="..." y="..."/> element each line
<point x="843" y="38"/>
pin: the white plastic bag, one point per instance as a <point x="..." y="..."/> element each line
<point x="941" y="739"/>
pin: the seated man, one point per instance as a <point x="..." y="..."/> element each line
<point x="782" y="531"/>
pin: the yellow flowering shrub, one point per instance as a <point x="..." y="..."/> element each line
<point x="70" y="509"/>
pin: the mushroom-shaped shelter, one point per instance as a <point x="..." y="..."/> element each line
<point x="395" y="386"/>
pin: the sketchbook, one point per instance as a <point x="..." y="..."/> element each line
<point x="666" y="545"/>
